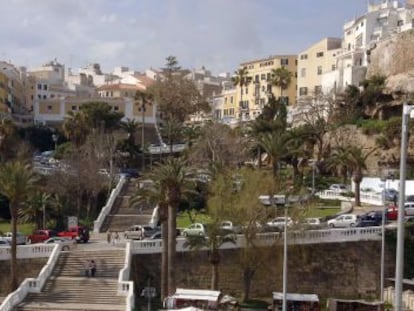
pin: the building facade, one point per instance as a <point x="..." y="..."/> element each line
<point x="250" y="99"/>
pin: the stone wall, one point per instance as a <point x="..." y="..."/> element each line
<point x="340" y="270"/>
<point x="27" y="268"/>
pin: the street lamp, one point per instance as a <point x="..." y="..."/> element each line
<point x="284" y="305"/>
<point x="383" y="238"/>
<point x="399" y="267"/>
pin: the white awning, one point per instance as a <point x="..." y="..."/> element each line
<point x="296" y="297"/>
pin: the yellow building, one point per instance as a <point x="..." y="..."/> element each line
<point x="315" y="62"/>
<point x="3" y="92"/>
<point x="250" y="100"/>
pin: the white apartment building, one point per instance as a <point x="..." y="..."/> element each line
<point x="383" y="19"/>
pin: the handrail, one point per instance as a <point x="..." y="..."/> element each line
<point x="32" y="285"/>
<point x="365" y="197"/>
<point x="97" y="224"/>
<point x="126" y="287"/>
<point x="28" y="251"/>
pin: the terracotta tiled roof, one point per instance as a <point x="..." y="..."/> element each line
<point x="120" y="86"/>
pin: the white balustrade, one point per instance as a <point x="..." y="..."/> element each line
<point x="97" y="224"/>
<point x="28" y="251"/>
<point x="126" y="287"/>
<point x="365" y="197"/>
<point x="267" y="239"/>
<point x="32" y="285"/>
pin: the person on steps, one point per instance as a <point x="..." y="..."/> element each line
<point x="93" y="267"/>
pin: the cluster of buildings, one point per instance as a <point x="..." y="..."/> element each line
<point x="46" y="94"/>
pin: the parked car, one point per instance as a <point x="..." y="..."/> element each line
<point x="39" y="236"/>
<point x="20" y="238"/>
<point x="195" y="229"/>
<point x="392" y="212"/>
<point x="139" y="232"/>
<point x="370" y="219"/>
<point x="130" y="172"/>
<point x="4" y="242"/>
<point x="278" y="223"/>
<point x="341" y="188"/>
<point x="155" y="236"/>
<point x="312" y="223"/>
<point x="229" y="227"/>
<point x="390" y="195"/>
<point x="409" y="208"/>
<point x="343" y="221"/>
<point x="78" y="233"/>
<point x="67" y="244"/>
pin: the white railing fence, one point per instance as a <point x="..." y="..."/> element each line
<point x="267" y="239"/>
<point x="32" y="285"/>
<point x="366" y="197"/>
<point x="97" y="224"/>
<point x="28" y="251"/>
<point x="407" y="298"/>
<point x="125" y="286"/>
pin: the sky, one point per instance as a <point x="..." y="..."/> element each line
<point x="140" y="34"/>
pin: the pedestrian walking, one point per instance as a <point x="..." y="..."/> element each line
<point x="116" y="237"/>
<point x="87" y="268"/>
<point x="108" y="237"/>
<point x="92" y="266"/>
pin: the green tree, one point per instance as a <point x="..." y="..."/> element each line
<point x="275" y="145"/>
<point x="75" y="128"/>
<point x="100" y="114"/>
<point x="176" y="96"/>
<point x="7" y="137"/>
<point x="281" y="77"/>
<point x="16" y="183"/>
<point x="173" y="131"/>
<point x="176" y="179"/>
<point x="36" y="209"/>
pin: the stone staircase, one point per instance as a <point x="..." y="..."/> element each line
<point x="69" y="289"/>
<point x="122" y="215"/>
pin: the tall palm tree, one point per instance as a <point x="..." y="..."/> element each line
<point x="16" y="182"/>
<point x="36" y="210"/>
<point x="176" y="178"/>
<point x="143" y="99"/>
<point x="282" y="78"/>
<point x="242" y="79"/>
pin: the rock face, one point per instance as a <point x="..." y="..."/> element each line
<point x="394" y="58"/>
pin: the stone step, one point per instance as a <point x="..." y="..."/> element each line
<point x="37" y="306"/>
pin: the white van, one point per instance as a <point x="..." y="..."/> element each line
<point x="138" y="232"/>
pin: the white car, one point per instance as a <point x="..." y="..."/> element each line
<point x="20" y="238"/>
<point x="340" y="188"/>
<point x="343" y="221"/>
<point x="196" y="229"/>
<point x="278" y="223"/>
<point x="67" y="244"/>
<point x="409" y="208"/>
<point x="312" y="223"/>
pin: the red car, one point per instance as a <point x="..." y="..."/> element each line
<point x="392" y="212"/>
<point x="40" y="236"/>
<point x="79" y="233"/>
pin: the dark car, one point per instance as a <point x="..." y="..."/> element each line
<point x="130" y="172"/>
<point x="370" y="219"/>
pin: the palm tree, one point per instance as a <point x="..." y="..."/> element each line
<point x="282" y="78"/>
<point x="241" y="78"/>
<point x="212" y="241"/>
<point x="176" y="179"/>
<point x="155" y="196"/>
<point x="16" y="182"/>
<point x="75" y="127"/>
<point x="275" y="145"/>
<point x="143" y="99"/>
<point x="35" y="211"/>
<point x="354" y="158"/>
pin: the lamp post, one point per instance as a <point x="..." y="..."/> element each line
<point x="284" y="304"/>
<point x="399" y="267"/>
<point x="383" y="240"/>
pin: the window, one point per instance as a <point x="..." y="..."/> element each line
<point x="116" y="108"/>
<point x="333" y="67"/>
<point x="268" y="77"/>
<point x="319" y="70"/>
<point x="263" y="76"/>
<point x="225" y="100"/>
<point x="231" y="111"/>
<point x="318" y="89"/>
<point x="257" y="90"/>
<point x="247" y="90"/>
<point x="269" y="88"/>
<point x="263" y="88"/>
<point x="256" y="78"/>
<point x="400" y="22"/>
<point x="73" y="108"/>
<point x="319" y="54"/>
<point x="49" y="107"/>
<point x="39" y="86"/>
<point x="231" y="99"/>
<point x="44" y="96"/>
<point x="303" y="91"/>
<point x="52" y="96"/>
<point x="45" y="87"/>
<point x="284" y="61"/>
<point x="303" y="72"/>
<point x="262" y="102"/>
<point x="39" y="96"/>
